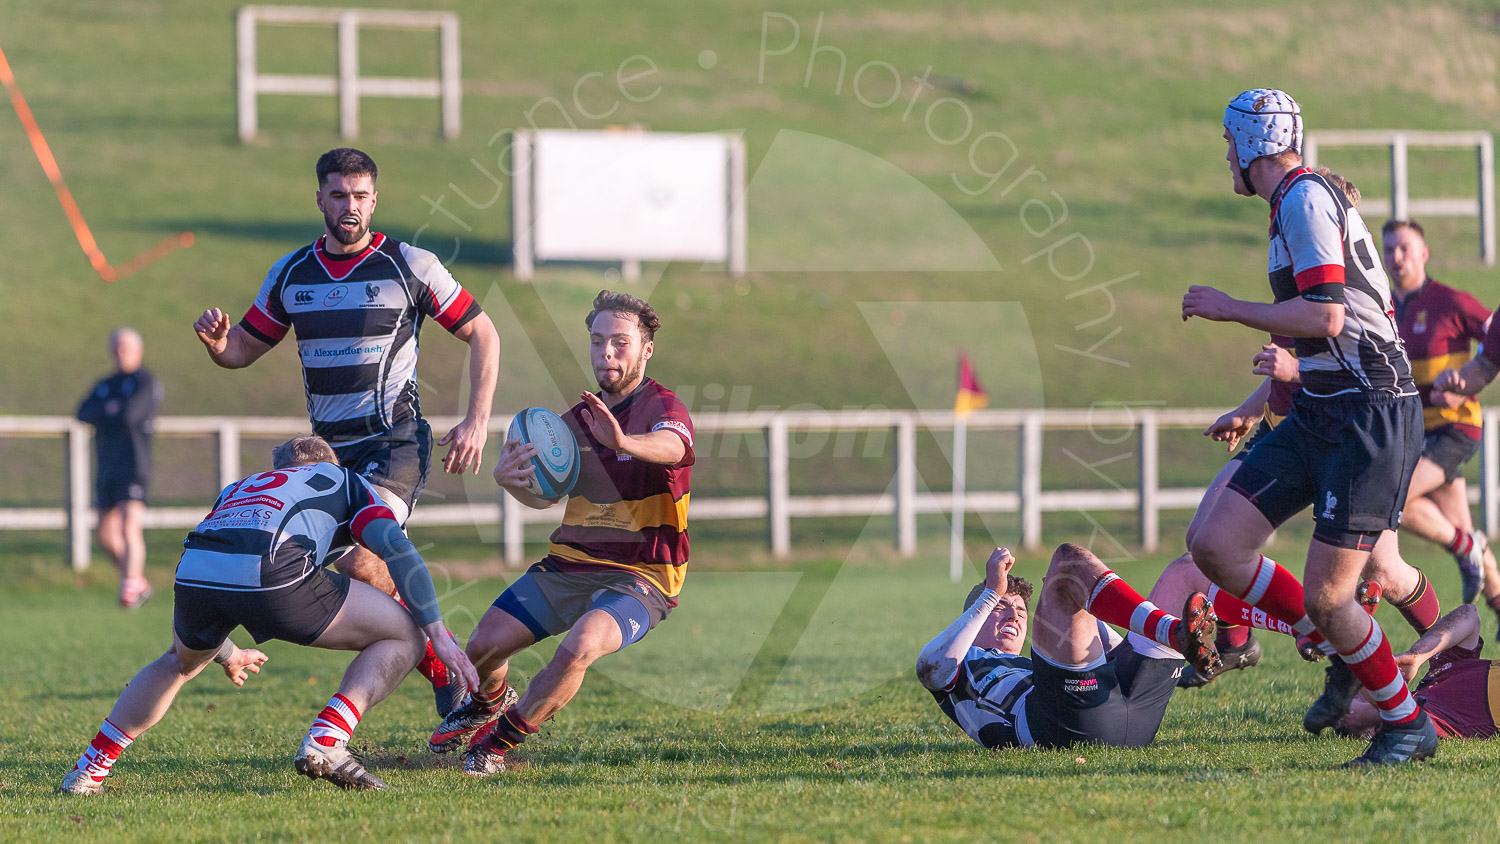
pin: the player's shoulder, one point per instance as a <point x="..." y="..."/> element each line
<point x="1309" y="190"/>
<point x="292" y="258"/>
<point x="663" y="396"/>
<point x="424" y="264"/>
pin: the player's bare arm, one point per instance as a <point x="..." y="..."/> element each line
<point x="1458" y="628"/>
<point x="662" y="446"/>
<point x="1467" y="380"/>
<point x="1293" y="318"/>
<point x="468" y="437"/>
<point x="515" y="469"/>
<point x="231" y="347"/>
<point x="1237" y="424"/>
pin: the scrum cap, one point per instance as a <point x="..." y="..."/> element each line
<point x="1263" y="121"/>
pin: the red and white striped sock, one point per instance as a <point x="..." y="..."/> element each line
<point x="1278" y="593"/>
<point x="335" y="723"/>
<point x="1461" y="543"/>
<point x="1232" y="610"/>
<point x="1376" y="669"/>
<point x="100" y="755"/>
<point x="1113" y="601"/>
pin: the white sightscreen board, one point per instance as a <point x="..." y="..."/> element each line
<point x="609" y="196"/>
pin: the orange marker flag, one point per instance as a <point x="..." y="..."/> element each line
<point x="65" y="197"/>
<point x="971" y="396"/>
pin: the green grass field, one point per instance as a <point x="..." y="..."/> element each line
<point x="777" y="702"/>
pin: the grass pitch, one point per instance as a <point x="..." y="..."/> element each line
<point x="775" y="703"/>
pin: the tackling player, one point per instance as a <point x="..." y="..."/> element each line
<point x="357" y="300"/>
<point x="1437" y="324"/>
<point x="617" y="562"/>
<point x="257" y="561"/>
<point x="1354" y="434"/>
<point x="1082" y="683"/>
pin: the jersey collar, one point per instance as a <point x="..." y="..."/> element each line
<point x="340" y="269"/>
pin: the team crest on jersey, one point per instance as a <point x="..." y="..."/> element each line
<point x="335" y="296"/>
<point x="1420" y="326"/>
<point x="371" y="293"/>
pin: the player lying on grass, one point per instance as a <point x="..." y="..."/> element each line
<point x="1459" y="689"/>
<point x="1082" y="682"/>
<point x="257" y="561"/>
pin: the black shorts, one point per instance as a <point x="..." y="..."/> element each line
<point x="398" y="461"/>
<point x="111" y="492"/>
<point x="1351" y="458"/>
<point x="202" y="618"/>
<point x="1450" y="448"/>
<point x="1120" y="703"/>
<point x="550" y="602"/>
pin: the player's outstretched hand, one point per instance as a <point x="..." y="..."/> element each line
<point x="467" y="438"/>
<point x="1231" y="427"/>
<point x="447" y="649"/>
<point x="246" y="661"/>
<point x="213" y="330"/>
<point x="1276" y="363"/>
<point x="602" y="424"/>
<point x="515" y="467"/>
<point x="997" y="568"/>
<point x="1208" y="303"/>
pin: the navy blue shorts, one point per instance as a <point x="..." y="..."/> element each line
<point x="202" y="618"/>
<point x="1119" y="703"/>
<point x="550" y="602"/>
<point x="398" y="461"/>
<point x="1351" y="458"/>
<point x="1450" y="448"/>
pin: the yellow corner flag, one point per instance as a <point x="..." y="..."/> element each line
<point x="971" y="396"/>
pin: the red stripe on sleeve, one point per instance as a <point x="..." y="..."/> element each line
<point x="363" y="518"/>
<point x="264" y="323"/>
<point x="456" y="309"/>
<point x="1324" y="274"/>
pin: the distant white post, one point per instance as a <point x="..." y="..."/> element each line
<point x="78" y="495"/>
<point x="960" y="481"/>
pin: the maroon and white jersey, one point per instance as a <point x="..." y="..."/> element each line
<point x="358" y="318"/>
<point x="1322" y="251"/>
<point x="1461" y="693"/>
<point x="273" y="529"/>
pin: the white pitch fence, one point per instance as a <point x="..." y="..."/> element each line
<point x="776" y="505"/>
<point x="349" y="85"/>
<point x="1401" y="206"/>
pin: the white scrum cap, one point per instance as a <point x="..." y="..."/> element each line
<point x="1263" y="121"/>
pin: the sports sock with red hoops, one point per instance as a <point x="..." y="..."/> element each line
<point x="1234" y="611"/>
<point x="1461" y="543"/>
<point x="1113" y="601"/>
<point x="1278" y="593"/>
<point x="1420" y="608"/>
<point x="335" y="723"/>
<point x="489" y="702"/>
<point x="100" y="755"/>
<point x="1376" y="669"/>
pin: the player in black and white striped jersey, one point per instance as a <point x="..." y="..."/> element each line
<point x="357" y="301"/>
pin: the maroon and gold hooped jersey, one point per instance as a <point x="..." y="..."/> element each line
<point x="1438" y="325"/>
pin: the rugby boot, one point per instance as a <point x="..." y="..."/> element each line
<point x="1243" y="656"/>
<point x="336" y="764"/>
<point x="1339" y="688"/>
<point x="465" y="719"/>
<point x="79" y="781"/>
<point x="1471" y="566"/>
<point x="135" y="591"/>
<point x="485" y="756"/>
<point x="1197" y="634"/>
<point x="1395" y="744"/>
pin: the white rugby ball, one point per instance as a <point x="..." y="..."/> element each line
<point x="556" y="460"/>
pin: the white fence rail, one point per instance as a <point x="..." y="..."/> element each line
<point x="776" y="505"/>
<point x="348" y="85"/>
<point x="1401" y="206"/>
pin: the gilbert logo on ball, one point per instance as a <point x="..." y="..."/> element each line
<point x="556" y="462"/>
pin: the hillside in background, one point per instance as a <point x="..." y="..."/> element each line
<point x="1101" y="121"/>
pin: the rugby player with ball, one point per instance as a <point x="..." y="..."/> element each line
<point x="616" y="563"/>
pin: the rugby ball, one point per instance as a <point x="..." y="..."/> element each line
<point x="556" y="460"/>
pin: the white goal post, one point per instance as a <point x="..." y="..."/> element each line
<point x="348" y="84"/>
<point x="627" y="196"/>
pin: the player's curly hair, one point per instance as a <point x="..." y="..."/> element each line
<point x="346" y="161"/>
<point x="1013" y="586"/>
<point x="610" y="301"/>
<point x="300" y="451"/>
